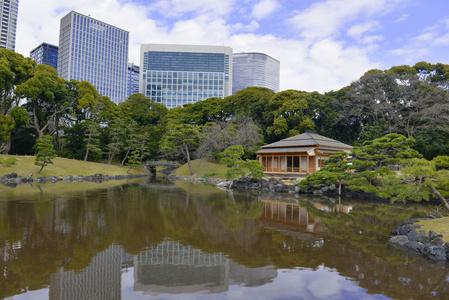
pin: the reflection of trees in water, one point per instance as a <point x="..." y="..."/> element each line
<point x="37" y="238"/>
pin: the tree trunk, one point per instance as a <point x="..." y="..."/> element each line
<point x="5" y="146"/>
<point x="91" y="130"/>
<point x="439" y="196"/>
<point x="188" y="159"/>
<point x="339" y="187"/>
<point x="41" y="169"/>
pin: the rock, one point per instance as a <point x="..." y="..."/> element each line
<point x="417" y="246"/>
<point x="11" y="175"/>
<point x="413" y="235"/>
<point x="437" y="242"/>
<point x="297" y="189"/>
<point x="332" y="187"/>
<point x="435" y="252"/>
<point x="224" y="184"/>
<point x="399" y="240"/>
<point x="53" y="179"/>
<point x="433" y="235"/>
<point x="325" y="189"/>
<point x="41" y="179"/>
<point x="423" y="238"/>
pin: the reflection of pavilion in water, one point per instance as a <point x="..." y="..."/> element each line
<point x="174" y="269"/>
<point x="294" y="220"/>
<point x="100" y="280"/>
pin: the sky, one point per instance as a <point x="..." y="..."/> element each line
<point x="322" y="45"/>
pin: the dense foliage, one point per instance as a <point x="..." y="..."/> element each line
<point x="34" y="101"/>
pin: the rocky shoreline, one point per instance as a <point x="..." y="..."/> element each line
<point x="407" y="236"/>
<point x="13" y="179"/>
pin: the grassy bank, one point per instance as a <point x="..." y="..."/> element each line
<point x="440" y="226"/>
<point x="204" y="168"/>
<point x="24" y="166"/>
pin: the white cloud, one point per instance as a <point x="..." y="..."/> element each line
<point x="176" y="8"/>
<point x="358" y="30"/>
<point x="264" y="8"/>
<point x="322" y="64"/>
<point x="401" y="18"/>
<point x="324" y="19"/>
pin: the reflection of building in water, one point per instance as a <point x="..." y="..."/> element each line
<point x="100" y="280"/>
<point x="337" y="208"/>
<point x="292" y="219"/>
<point x="173" y="268"/>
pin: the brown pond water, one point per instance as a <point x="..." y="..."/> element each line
<point x="153" y="239"/>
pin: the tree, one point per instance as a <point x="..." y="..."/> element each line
<point x="14" y="70"/>
<point x="133" y="160"/>
<point x="232" y="158"/>
<point x="181" y="140"/>
<point x="47" y="95"/>
<point x="287" y="112"/>
<point x="419" y="180"/>
<point x="216" y="137"/>
<point x="45" y="151"/>
<point x="336" y="170"/>
<point x="373" y="159"/>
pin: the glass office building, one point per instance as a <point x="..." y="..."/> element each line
<point x="94" y="51"/>
<point x="255" y="69"/>
<point x="175" y="75"/>
<point x="46" y="54"/>
<point x="8" y="19"/>
<point x="133" y="79"/>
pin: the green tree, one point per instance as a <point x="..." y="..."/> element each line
<point x="336" y="170"/>
<point x="419" y="180"/>
<point x="287" y="112"/>
<point x="133" y="160"/>
<point x="373" y="159"/>
<point x="255" y="168"/>
<point x="232" y="158"/>
<point x="180" y="140"/>
<point x="47" y="95"/>
<point x="45" y="151"/>
<point x="14" y="70"/>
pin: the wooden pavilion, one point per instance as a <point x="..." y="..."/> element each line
<point x="300" y="154"/>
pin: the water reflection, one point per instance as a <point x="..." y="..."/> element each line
<point x="164" y="240"/>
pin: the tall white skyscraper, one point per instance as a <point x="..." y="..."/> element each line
<point x="255" y="69"/>
<point x="94" y="51"/>
<point x="8" y="18"/>
<point x="178" y="74"/>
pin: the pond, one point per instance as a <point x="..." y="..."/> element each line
<point x="155" y="239"/>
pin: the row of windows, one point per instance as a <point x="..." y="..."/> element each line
<point x="194" y="75"/>
<point x="183" y="88"/>
<point x="185" y="81"/>
<point x="184" y="61"/>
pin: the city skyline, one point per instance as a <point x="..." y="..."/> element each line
<point x="322" y="45"/>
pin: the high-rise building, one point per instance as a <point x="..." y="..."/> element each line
<point x="133" y="79"/>
<point x="94" y="51"/>
<point x="8" y="18"/>
<point x="46" y="54"/>
<point x="178" y="74"/>
<point x="255" y="69"/>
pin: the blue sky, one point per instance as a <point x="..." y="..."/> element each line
<point x="322" y="45"/>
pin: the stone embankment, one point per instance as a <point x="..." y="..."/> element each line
<point x="13" y="179"/>
<point x="248" y="183"/>
<point x="407" y="236"/>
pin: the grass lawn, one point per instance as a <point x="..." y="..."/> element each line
<point x="24" y="166"/>
<point x="440" y="226"/>
<point x="202" y="167"/>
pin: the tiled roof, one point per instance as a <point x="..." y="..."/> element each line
<point x="308" y="139"/>
<point x="285" y="150"/>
